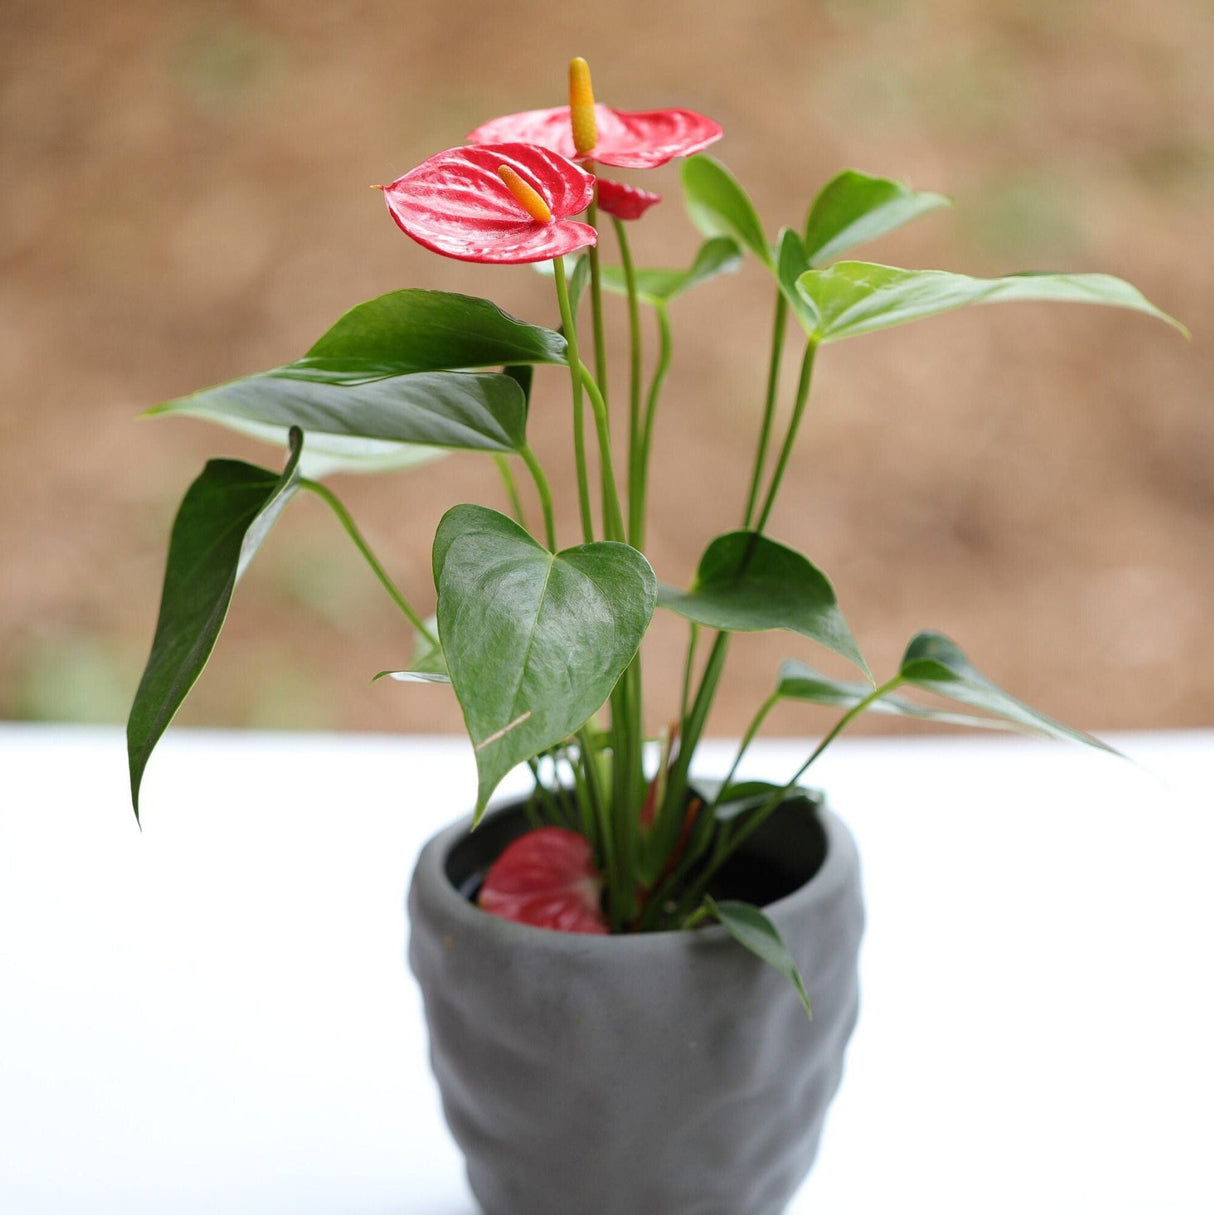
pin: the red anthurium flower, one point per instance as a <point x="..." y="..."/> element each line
<point x="625" y="202"/>
<point x="627" y="141"/>
<point x="546" y="878"/>
<point x="504" y="203"/>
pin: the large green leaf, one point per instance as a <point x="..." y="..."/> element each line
<point x="800" y="682"/>
<point x="720" y="255"/>
<point x="746" y="583"/>
<point x="220" y="524"/>
<point x="854" y="207"/>
<point x="751" y="928"/>
<point x="534" y="641"/>
<point x="850" y="298"/>
<point x="718" y="206"/>
<point x="935" y="664"/>
<point x="409" y="331"/>
<point x="475" y="411"/>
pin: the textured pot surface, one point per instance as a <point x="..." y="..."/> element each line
<point x="659" y="1074"/>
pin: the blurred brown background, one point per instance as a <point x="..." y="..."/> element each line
<point x="184" y="200"/>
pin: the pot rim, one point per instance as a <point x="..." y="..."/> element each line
<point x="432" y="887"/>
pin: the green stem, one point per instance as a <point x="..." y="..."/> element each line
<point x="543" y="490"/>
<point x="636" y="486"/>
<point x="596" y="298"/>
<point x="803" y="383"/>
<point x="613" y="519"/>
<point x="760" y="816"/>
<point x="507" y="475"/>
<point x="688" y="669"/>
<point x="769" y="408"/>
<point x="747" y="738"/>
<point x="665" y="349"/>
<point x="327" y="495"/>
<point x="579" y="423"/>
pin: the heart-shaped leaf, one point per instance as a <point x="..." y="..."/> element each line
<point x="718" y="206"/>
<point x="854" y="207"/>
<point x="405" y="332"/>
<point x="800" y="682"/>
<point x="751" y="928"/>
<point x="721" y="255"/>
<point x="220" y="524"/>
<point x="535" y="641"/>
<point x="850" y="298"/>
<point x="936" y="664"/>
<point x="747" y="583"/>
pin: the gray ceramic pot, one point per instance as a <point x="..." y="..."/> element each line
<point x="667" y="1073"/>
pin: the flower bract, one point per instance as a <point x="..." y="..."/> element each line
<point x="624" y="201"/>
<point x="546" y="878"/>
<point x="458" y="204"/>
<point x="625" y="140"/>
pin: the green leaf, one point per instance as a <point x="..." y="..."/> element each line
<point x="746" y="583"/>
<point x="854" y="207"/>
<point x="935" y="664"/>
<point x="721" y="255"/>
<point x="718" y="206"/>
<point x="750" y="927"/>
<point x="428" y="665"/>
<point x="535" y="641"/>
<point x="223" y="518"/>
<point x="745" y="796"/>
<point x="791" y="263"/>
<point x="800" y="682"/>
<point x="411" y="331"/>
<point x="850" y="298"/>
<point x="377" y="422"/>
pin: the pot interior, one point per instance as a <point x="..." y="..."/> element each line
<point x="778" y="858"/>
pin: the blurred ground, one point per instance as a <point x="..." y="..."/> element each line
<point x="185" y="200"/>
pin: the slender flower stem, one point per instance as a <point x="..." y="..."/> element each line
<point x="328" y="496"/>
<point x="665" y="349"/>
<point x="794" y="423"/>
<point x="596" y="296"/>
<point x="755" y="726"/>
<point x="769" y="408"/>
<point x="579" y="423"/>
<point x="688" y="669"/>
<point x="613" y="519"/>
<point x="726" y="848"/>
<point x="507" y="475"/>
<point x="543" y="490"/>
<point x="636" y="467"/>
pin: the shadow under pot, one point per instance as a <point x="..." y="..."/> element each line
<point x="668" y="1073"/>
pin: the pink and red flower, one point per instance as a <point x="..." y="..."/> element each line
<point x="546" y="878"/>
<point x="457" y="204"/>
<point x="625" y="140"/>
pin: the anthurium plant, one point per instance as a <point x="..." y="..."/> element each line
<point x="540" y="638"/>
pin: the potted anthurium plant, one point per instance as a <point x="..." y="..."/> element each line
<point x="617" y="969"/>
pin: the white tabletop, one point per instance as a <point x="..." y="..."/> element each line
<point x="214" y="1014"/>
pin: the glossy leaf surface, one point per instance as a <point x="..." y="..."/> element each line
<point x="472" y="411"/>
<point x="749" y="926"/>
<point x="535" y="641"/>
<point x="408" y="331"/>
<point x="456" y="204"/>
<point x="746" y="583"/>
<point x="851" y="298"/>
<point x="720" y="255"/>
<point x="626" y="140"/>
<point x="935" y="664"/>
<point x="223" y="519"/>
<point x="718" y="205"/>
<point x="853" y="208"/>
